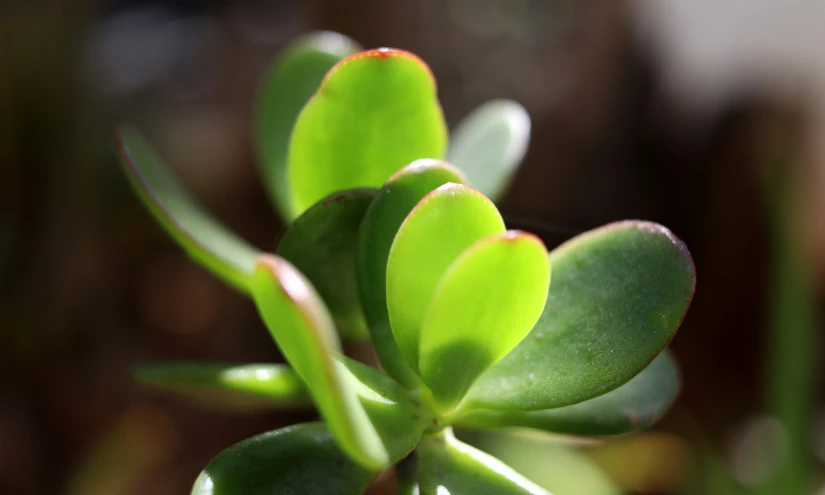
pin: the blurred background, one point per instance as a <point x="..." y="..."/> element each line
<point x="707" y="117"/>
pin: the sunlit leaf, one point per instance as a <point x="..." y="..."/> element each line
<point x="304" y="331"/>
<point x="485" y="304"/>
<point x="489" y="144"/>
<point x="440" y="227"/>
<point x="205" y="239"/>
<point x="296" y="459"/>
<point x="448" y="466"/>
<point x="635" y="405"/>
<point x="321" y="243"/>
<point x="375" y="112"/>
<point x="618" y="296"/>
<point x="553" y="465"/>
<point x="392" y="205"/>
<point x="294" y="77"/>
<point x="226" y="387"/>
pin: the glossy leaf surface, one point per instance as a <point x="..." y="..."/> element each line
<point x="618" y="296"/>
<point x="205" y="239"/>
<point x="294" y="77"/>
<point x="635" y="405"/>
<point x="297" y="459"/>
<point x="489" y="144"/>
<point x="321" y="243"/>
<point x="375" y="112"/>
<point x="485" y="304"/>
<point x="303" y="329"/>
<point x="440" y="227"/>
<point x="227" y="388"/>
<point x="394" y="202"/>
<point x="398" y="419"/>
<point x="448" y="466"/>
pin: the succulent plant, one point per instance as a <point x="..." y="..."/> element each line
<point x="388" y="241"/>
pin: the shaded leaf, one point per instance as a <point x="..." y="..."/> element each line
<point x="294" y="77"/>
<point x="303" y="329"/>
<point x="635" y="405"/>
<point x="297" y="459"/>
<point x="489" y="144"/>
<point x="440" y="227"/>
<point x="226" y="387"/>
<point x="321" y="243"/>
<point x="448" y="466"/>
<point x="484" y="305"/>
<point x="618" y="296"/>
<point x="205" y="239"/>
<point x="384" y="217"/>
<point x="398" y="419"/>
<point x="375" y="112"/>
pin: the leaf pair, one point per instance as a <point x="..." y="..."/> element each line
<point x="461" y="291"/>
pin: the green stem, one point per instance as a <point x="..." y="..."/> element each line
<point x="792" y="343"/>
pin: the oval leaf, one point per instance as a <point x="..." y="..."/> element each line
<point x="296" y="459"/>
<point x="398" y="419"/>
<point x="489" y="144"/>
<point x="321" y="243"/>
<point x="375" y="112"/>
<point x="384" y="217"/>
<point x="440" y="227"/>
<point x="293" y="79"/>
<point x="635" y="405"/>
<point x="205" y="239"/>
<point x="303" y="330"/>
<point x="449" y="467"/>
<point x="484" y="305"/>
<point x="619" y="294"/>
<point x="226" y="387"/>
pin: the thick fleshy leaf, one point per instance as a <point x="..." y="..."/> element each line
<point x="618" y="296"/>
<point x="226" y="387"/>
<point x="205" y="239"/>
<point x="635" y="405"/>
<point x="440" y="227"/>
<point x="303" y="329"/>
<point x="297" y="459"/>
<point x="398" y="419"/>
<point x="321" y="243"/>
<point x="485" y="304"/>
<point x="294" y="77"/>
<point x="392" y="205"/>
<point x="553" y="465"/>
<point x="448" y="466"/>
<point x="375" y="112"/>
<point x="489" y="144"/>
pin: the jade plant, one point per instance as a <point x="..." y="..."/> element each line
<point x="393" y="236"/>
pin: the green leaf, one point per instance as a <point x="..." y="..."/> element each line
<point x="384" y="217"/>
<point x="375" y="112"/>
<point x="398" y="419"/>
<point x="449" y="467"/>
<point x="619" y="294"/>
<point x="294" y="77"/>
<point x="296" y="459"/>
<point x="321" y="243"/>
<point x="440" y="227"/>
<point x="635" y="405"/>
<point x="554" y="466"/>
<point x="484" y="305"/>
<point x="225" y="387"/>
<point x="303" y="329"/>
<point x="205" y="239"/>
<point x="489" y="144"/>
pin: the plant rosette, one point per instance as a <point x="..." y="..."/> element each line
<point x="387" y="241"/>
